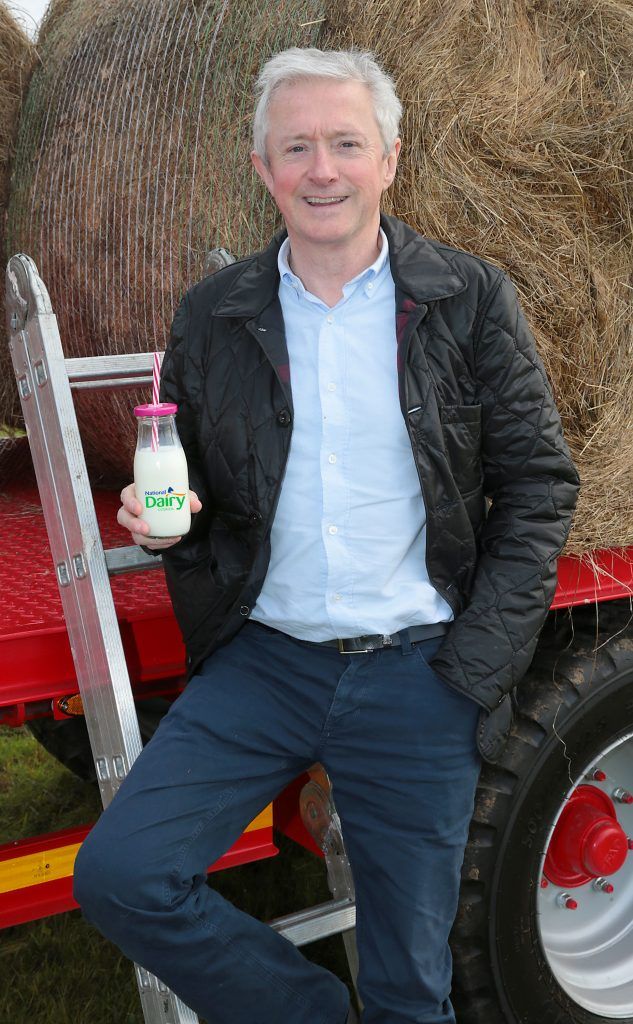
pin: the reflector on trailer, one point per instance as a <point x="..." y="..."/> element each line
<point x="72" y="706"/>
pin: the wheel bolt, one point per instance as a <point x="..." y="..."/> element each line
<point x="629" y="843"/>
<point x="622" y="795"/>
<point x="565" y="900"/>
<point x="544" y="883"/>
<point x="602" y="885"/>
<point x="597" y="775"/>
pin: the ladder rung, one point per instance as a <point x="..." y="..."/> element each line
<point x="130" y="559"/>
<point x="318" y="922"/>
<point x="110" y="371"/>
<point x="110" y="383"/>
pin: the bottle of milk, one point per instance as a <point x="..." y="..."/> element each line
<point x="160" y="471"/>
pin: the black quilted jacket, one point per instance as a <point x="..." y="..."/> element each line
<point x="497" y="479"/>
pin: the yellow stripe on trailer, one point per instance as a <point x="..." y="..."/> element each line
<point x="263" y="820"/>
<point x="58" y="862"/>
<point x="34" y="868"/>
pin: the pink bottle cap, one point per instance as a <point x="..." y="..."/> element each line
<point x="162" y="409"/>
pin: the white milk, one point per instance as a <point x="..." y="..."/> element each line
<point x="162" y="487"/>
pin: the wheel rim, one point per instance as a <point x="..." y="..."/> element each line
<point x="589" y="946"/>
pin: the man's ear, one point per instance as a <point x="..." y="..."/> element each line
<point x="392" y="163"/>
<point x="262" y="171"/>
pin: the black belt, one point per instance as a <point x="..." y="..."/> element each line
<point x="375" y="641"/>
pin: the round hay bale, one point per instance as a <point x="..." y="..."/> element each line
<point x="17" y="58"/>
<point x="133" y="162"/>
<point x="517" y="145"/>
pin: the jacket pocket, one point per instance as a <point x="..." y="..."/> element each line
<point x="195" y="593"/>
<point x="461" y="427"/>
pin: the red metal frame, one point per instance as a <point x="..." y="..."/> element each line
<point x="36" y="661"/>
<point x="286" y="816"/>
<point x="601" y="576"/>
<point x="35" y="656"/>
<point x="30" y="902"/>
<point x="36" y="664"/>
<point x="36" y="668"/>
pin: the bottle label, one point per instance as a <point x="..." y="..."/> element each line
<point x="165" y="499"/>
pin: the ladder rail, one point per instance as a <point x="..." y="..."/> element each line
<point x="76" y="545"/>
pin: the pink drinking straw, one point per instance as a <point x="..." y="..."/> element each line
<point x="155" y="397"/>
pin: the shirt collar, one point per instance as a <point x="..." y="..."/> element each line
<point x="367" y="276"/>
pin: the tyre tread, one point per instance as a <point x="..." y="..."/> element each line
<point x="560" y="678"/>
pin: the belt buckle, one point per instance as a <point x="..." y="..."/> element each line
<point x="341" y="648"/>
<point x="386" y="642"/>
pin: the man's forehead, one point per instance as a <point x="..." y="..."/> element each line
<point x="312" y="130"/>
<point x="295" y="113"/>
<point x="327" y="81"/>
<point x="347" y="88"/>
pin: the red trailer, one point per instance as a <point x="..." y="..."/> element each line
<point x="545" y="927"/>
<point x="38" y="685"/>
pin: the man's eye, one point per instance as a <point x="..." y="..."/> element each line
<point x="349" y="144"/>
<point x="296" y="149"/>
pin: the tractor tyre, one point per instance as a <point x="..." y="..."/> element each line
<point x="529" y="949"/>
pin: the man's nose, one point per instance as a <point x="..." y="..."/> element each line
<point x="323" y="165"/>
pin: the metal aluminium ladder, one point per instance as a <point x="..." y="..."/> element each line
<point x="45" y="380"/>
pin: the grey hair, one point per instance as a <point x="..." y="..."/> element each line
<point x="345" y="65"/>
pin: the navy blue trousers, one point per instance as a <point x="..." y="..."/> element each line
<point x="400" y="749"/>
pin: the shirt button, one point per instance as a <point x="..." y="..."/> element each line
<point x="338" y="597"/>
<point x="369" y="286"/>
<point x="332" y="529"/>
<point x="330" y="319"/>
<point x="331" y="458"/>
<point x="331" y="386"/>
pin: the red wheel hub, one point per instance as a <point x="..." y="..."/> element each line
<point x="587" y="842"/>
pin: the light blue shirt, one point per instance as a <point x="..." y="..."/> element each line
<point x="348" y="538"/>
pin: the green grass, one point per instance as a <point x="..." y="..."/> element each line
<point x="37" y="794"/>
<point x="59" y="970"/>
<point x="7" y="431"/>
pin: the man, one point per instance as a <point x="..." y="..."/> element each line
<point x="348" y="400"/>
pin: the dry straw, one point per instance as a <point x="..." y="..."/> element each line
<point x="17" y="57"/>
<point x="133" y="161"/>
<point x="517" y="146"/>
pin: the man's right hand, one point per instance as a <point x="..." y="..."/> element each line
<point x="130" y="511"/>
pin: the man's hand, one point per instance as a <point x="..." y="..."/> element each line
<point x="128" y="517"/>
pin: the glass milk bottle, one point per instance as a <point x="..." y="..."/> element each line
<point x="160" y="471"/>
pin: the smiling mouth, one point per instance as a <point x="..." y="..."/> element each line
<point x="324" y="200"/>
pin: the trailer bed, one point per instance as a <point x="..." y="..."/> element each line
<point x="35" y="658"/>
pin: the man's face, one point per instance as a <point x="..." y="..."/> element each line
<point x="326" y="168"/>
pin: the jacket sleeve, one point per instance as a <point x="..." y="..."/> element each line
<point x="532" y="486"/>
<point x="181" y="382"/>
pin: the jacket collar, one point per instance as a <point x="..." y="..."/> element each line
<point x="417" y="266"/>
<point x="419" y="271"/>
<point x="256" y="286"/>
